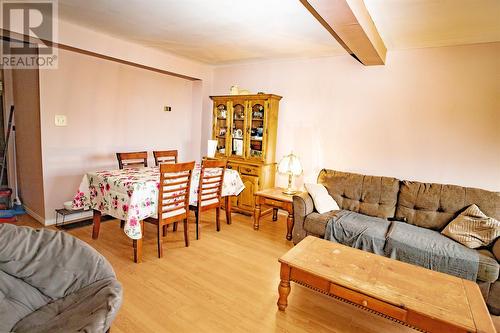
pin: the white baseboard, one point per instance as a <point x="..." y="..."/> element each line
<point x="70" y="218"/>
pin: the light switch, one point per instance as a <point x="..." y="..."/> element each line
<point x="167" y="108"/>
<point x="60" y="120"/>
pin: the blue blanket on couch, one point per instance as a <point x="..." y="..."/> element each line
<point x="404" y="242"/>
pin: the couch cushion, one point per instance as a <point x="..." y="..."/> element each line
<point x="485" y="288"/>
<point x="430" y="249"/>
<point x="433" y="206"/>
<point x="369" y="195"/>
<point x="488" y="266"/>
<point x="359" y="231"/>
<point x="494" y="299"/>
<point x="496" y="249"/>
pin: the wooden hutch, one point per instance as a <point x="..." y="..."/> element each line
<point x="245" y="127"/>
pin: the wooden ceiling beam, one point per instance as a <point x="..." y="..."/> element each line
<point x="349" y="22"/>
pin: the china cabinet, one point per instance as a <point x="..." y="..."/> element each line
<point x="245" y="127"/>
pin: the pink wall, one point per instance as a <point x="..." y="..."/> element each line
<point x="429" y="114"/>
<point x="84" y="38"/>
<point x="96" y="94"/>
<point x="88" y="39"/>
<point x="110" y="107"/>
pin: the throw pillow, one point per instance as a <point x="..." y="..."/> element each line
<point x="473" y="228"/>
<point x="323" y="202"/>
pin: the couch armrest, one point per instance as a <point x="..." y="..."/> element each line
<point x="302" y="206"/>
<point x="496" y="249"/>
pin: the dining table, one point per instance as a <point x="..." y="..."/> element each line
<point x="131" y="195"/>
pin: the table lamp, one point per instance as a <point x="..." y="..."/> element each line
<point x="290" y="165"/>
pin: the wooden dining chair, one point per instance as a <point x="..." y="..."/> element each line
<point x="210" y="190"/>
<point x="173" y="199"/>
<point x="132" y="160"/>
<point x="165" y="156"/>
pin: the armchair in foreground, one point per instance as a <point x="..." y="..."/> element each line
<point x="52" y="282"/>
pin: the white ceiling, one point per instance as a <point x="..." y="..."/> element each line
<point x="225" y="31"/>
<point x="427" y="23"/>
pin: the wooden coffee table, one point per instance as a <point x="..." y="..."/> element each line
<point x="275" y="198"/>
<point x="408" y="294"/>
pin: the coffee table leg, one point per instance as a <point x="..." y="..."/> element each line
<point x="256" y="214"/>
<point x="97" y="224"/>
<point x="284" y="287"/>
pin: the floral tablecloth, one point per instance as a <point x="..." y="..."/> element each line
<point x="131" y="195"/>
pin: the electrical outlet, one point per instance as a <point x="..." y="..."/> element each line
<point x="60" y="120"/>
<point x="167" y="108"/>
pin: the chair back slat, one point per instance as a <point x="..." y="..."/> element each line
<point x="208" y="177"/>
<point x="214" y="186"/>
<point x="175" y="195"/>
<point x="165" y="156"/>
<point x="168" y="190"/>
<point x="174" y="209"/>
<point x="173" y="181"/>
<point x="132" y="160"/>
<point x="172" y="203"/>
<point x="173" y="190"/>
<point x="211" y="180"/>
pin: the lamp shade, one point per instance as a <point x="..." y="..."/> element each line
<point x="290" y="164"/>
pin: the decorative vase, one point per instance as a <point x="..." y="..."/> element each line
<point x="234" y="90"/>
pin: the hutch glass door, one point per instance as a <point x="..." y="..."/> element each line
<point x="220" y="128"/>
<point x="238" y="129"/>
<point x="257" y="116"/>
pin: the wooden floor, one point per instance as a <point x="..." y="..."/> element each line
<point x="225" y="282"/>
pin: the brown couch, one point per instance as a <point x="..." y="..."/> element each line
<point x="427" y="205"/>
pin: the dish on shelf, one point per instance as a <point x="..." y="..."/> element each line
<point x="238" y="133"/>
<point x="255" y="153"/>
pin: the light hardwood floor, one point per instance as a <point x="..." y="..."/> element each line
<point x="225" y="282"/>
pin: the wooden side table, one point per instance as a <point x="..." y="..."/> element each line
<point x="275" y="198"/>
